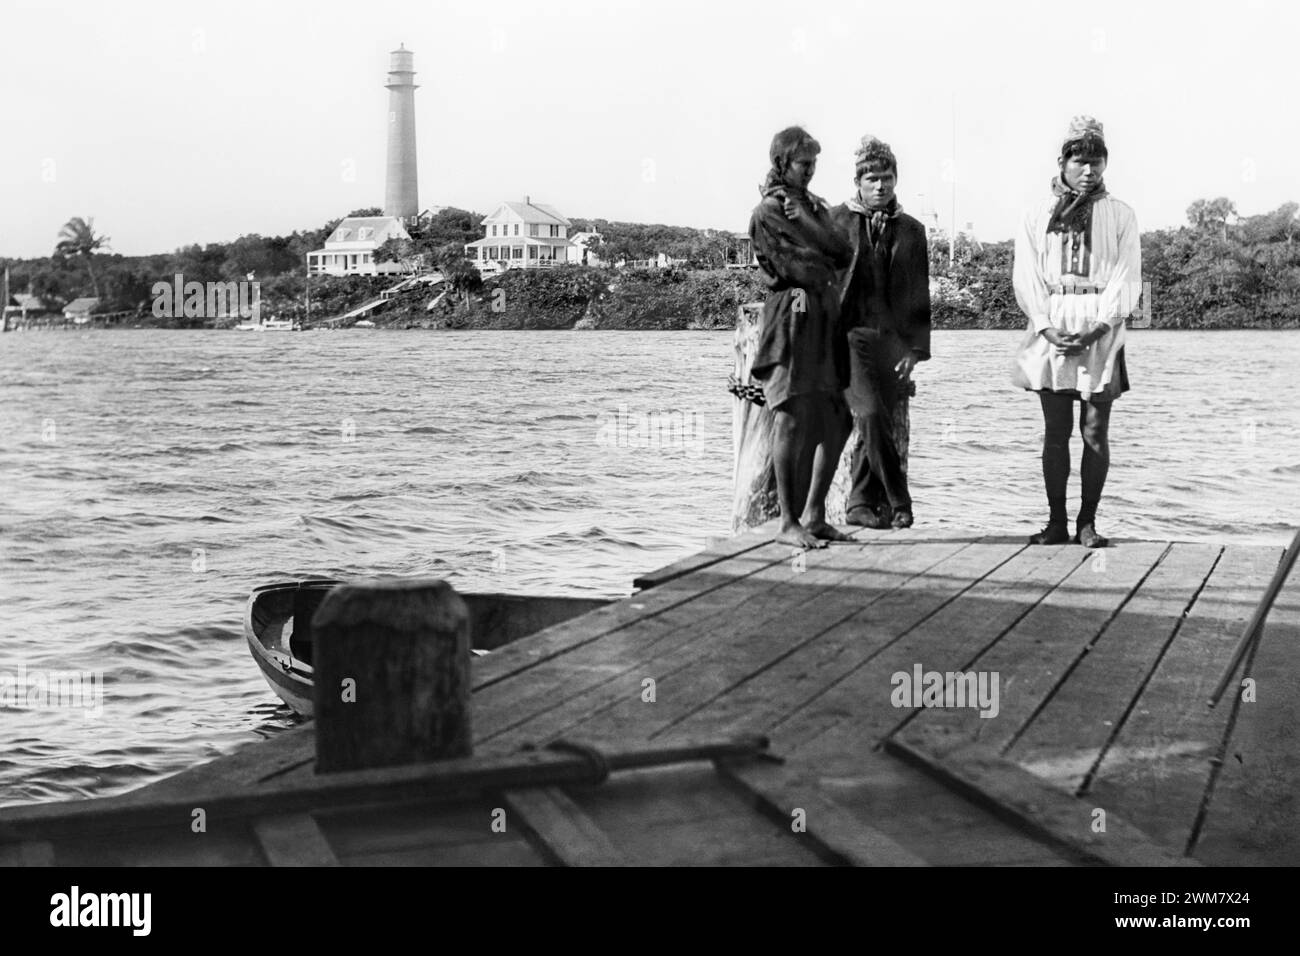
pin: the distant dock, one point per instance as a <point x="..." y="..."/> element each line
<point x="1102" y="749"/>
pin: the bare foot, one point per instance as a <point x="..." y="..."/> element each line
<point x="800" y="537"/>
<point x="820" y="529"/>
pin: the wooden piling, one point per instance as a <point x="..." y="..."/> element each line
<point x="392" y="681"/>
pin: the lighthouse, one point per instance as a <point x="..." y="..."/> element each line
<point x="400" y="191"/>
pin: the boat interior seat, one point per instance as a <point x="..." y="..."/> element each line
<point x="305" y="602"/>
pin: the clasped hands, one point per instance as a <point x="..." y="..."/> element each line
<point x="1074" y="343"/>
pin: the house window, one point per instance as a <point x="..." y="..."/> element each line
<point x="494" y="230"/>
<point x="517" y="252"/>
<point x="341" y="235"/>
<point x="532" y="229"/>
<point x="365" y="232"/>
<point x="532" y="252"/>
<point x="516" y="229"/>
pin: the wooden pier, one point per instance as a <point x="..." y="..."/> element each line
<point x="1102" y="749"/>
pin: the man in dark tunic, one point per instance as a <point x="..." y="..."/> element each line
<point x="885" y="309"/>
<point x="801" y="358"/>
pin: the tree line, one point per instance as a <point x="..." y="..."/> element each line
<point x="1221" y="270"/>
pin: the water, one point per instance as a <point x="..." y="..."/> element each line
<point x="149" y="480"/>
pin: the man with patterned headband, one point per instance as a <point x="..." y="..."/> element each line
<point x="885" y="308"/>
<point x="1077" y="275"/>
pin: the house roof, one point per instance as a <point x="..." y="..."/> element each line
<point x="25" y="300"/>
<point x="528" y="212"/>
<point x="84" y="304"/>
<point x="381" y="228"/>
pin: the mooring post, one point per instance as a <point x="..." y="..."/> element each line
<point x="392" y="681"/>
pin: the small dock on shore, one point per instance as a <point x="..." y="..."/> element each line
<point x="752" y="706"/>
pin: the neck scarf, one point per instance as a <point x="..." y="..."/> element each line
<point x="1073" y="212"/>
<point x="876" y="218"/>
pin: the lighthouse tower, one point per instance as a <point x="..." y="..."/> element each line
<point x="400" y="192"/>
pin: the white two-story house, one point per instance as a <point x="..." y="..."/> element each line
<point x="523" y="235"/>
<point x="350" y="249"/>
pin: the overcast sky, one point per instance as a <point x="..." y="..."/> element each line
<point x="172" y="123"/>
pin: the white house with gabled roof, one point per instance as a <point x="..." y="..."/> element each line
<point x="522" y="235"/>
<point x="350" y="248"/>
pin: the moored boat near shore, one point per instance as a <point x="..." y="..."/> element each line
<point x="272" y="324"/>
<point x="277" y="626"/>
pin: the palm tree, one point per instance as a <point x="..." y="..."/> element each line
<point x="78" y="238"/>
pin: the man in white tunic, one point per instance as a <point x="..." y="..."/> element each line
<point x="1077" y="276"/>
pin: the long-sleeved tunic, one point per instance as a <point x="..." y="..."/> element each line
<point x="1068" y="280"/>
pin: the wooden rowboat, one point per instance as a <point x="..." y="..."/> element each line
<point x="277" y="626"/>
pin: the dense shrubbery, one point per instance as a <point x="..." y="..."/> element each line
<point x="975" y="292"/>
<point x="677" y="298"/>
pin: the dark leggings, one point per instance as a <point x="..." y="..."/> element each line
<point x="1094" y="426"/>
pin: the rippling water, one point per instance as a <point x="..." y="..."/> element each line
<point x="149" y="479"/>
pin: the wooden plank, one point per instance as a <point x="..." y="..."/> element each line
<point x="565" y="833"/>
<point x="919" y="814"/>
<point x="27" y="853"/>
<point x="1156" y="770"/>
<point x="500" y="851"/>
<point x="687" y="814"/>
<point x="293" y="839"/>
<point x="1033" y="657"/>
<point x="715" y="551"/>
<point x="656" y="797"/>
<point x="381" y="828"/>
<point x="776" y="692"/>
<point x="1042" y="809"/>
<point x="173" y="844"/>
<point x="260" y="759"/>
<point x="1254" y="808"/>
<point x="546" y="645"/>
<point x="224" y="809"/>
<point x="1066" y="741"/>
<point x="858" y="710"/>
<point x="709" y="662"/>
<point x="567" y="690"/>
<point x="840" y="833"/>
